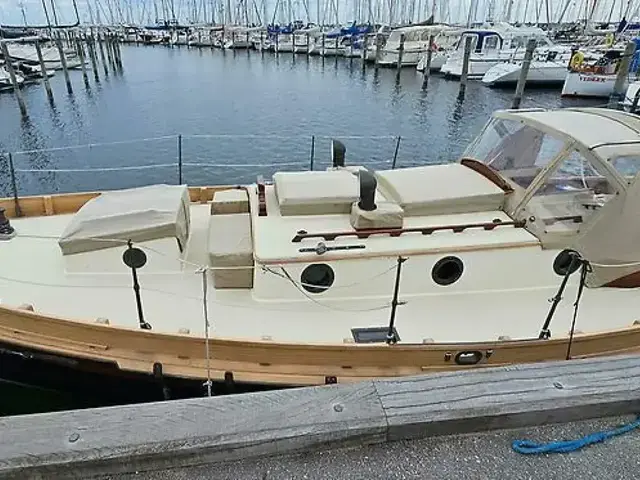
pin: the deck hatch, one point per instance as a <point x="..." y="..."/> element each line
<point x="372" y="334"/>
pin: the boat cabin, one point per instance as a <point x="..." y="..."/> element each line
<point x="501" y="37"/>
<point x="573" y="179"/>
<point x="545" y="180"/>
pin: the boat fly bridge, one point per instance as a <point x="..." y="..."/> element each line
<point x="346" y="273"/>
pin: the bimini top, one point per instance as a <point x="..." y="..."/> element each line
<point x="606" y="133"/>
<point x="137" y="214"/>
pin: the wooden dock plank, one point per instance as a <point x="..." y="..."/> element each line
<point x="154" y="436"/>
<point x="510" y="397"/>
<point x="204" y="430"/>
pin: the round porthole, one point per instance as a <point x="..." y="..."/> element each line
<point x="563" y="262"/>
<point x="447" y="270"/>
<point x="317" y="278"/>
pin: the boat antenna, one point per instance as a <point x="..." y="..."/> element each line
<point x="392" y="337"/>
<point x="134" y="258"/>
<point x="574" y="262"/>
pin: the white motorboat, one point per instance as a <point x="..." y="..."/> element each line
<point x="337" y="275"/>
<point x="546" y="69"/>
<point x="592" y="74"/>
<point x="630" y="96"/>
<point x="492" y="45"/>
<point x="416" y="43"/>
<point x="445" y="41"/>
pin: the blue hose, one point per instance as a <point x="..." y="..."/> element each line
<point x="528" y="447"/>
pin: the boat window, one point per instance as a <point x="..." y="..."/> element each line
<point x="491" y="42"/>
<point x="627" y="165"/>
<point x="474" y="41"/>
<point x="573" y="192"/>
<point x="516" y="150"/>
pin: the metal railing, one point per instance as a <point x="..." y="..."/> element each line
<point x="97" y="166"/>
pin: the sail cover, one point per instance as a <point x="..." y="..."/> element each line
<point x="611" y="240"/>
<point x="137" y="214"/>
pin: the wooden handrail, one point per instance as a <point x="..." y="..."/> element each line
<point x="396" y="232"/>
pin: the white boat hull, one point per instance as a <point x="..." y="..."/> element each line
<point x="410" y="58"/>
<point x="540" y="73"/>
<point x="632" y="92"/>
<point x="593" y="85"/>
<point x="438" y="59"/>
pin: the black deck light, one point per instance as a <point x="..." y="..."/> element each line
<point x="135" y="258"/>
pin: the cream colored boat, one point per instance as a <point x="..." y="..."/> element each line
<point x="302" y="277"/>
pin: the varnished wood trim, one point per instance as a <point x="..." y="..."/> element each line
<point x="487" y="172"/>
<point x="631" y="280"/>
<point x="396" y="232"/>
<point x="48" y="205"/>
<point x="360" y="254"/>
<point x="282" y="363"/>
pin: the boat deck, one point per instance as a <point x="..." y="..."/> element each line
<point x="33" y="272"/>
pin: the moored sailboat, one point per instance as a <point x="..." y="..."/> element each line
<point x="337" y="275"/>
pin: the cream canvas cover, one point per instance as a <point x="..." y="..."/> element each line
<point x="612" y="238"/>
<point x="139" y="214"/>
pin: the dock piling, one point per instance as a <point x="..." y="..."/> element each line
<point x="63" y="61"/>
<point x="524" y="72"/>
<point x="623" y="73"/>
<point x="426" y="73"/>
<point x="365" y="47"/>
<point x="116" y="44"/>
<point x="308" y="45"/>
<point x="92" y="57"/>
<point x="14" y="80"/>
<point x="107" y="45"/>
<point x="80" y="50"/>
<point x="102" y="56"/>
<point x="43" y="69"/>
<point x="400" y="55"/>
<point x="378" y="51"/>
<point x="324" y="38"/>
<point x="465" y="65"/>
<point x="262" y="44"/>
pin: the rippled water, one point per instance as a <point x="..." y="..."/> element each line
<point x="239" y="113"/>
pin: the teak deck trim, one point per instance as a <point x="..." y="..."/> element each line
<point x="269" y="362"/>
<point x="116" y="440"/>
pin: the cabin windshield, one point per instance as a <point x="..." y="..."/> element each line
<point x="562" y="196"/>
<point x="569" y="195"/>
<point x="518" y="151"/>
<point x="474" y="41"/>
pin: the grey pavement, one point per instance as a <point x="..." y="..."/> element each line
<point x="474" y="456"/>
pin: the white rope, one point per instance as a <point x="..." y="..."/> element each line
<point x="206" y="329"/>
<point x="611" y="265"/>
<point x="303" y="284"/>
<point x="382" y="307"/>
